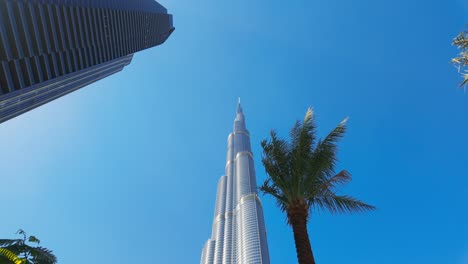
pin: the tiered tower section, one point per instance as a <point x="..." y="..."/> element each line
<point x="238" y="234"/>
<point x="49" y="48"/>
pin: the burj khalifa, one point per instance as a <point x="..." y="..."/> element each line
<point x="238" y="231"/>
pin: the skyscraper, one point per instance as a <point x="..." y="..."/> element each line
<point x="238" y="231"/>
<point x="49" y="48"/>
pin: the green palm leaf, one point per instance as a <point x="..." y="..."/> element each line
<point x="8" y="242"/>
<point x="341" y="204"/>
<point x="323" y="159"/>
<point x="11" y="256"/>
<point x="43" y="255"/>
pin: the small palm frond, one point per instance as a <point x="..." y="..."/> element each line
<point x="303" y="134"/>
<point x="326" y="151"/>
<point x="341" y="178"/>
<point x="43" y="255"/>
<point x="324" y="157"/>
<point x="465" y="79"/>
<point x="276" y="160"/>
<point x="11" y="256"/>
<point x="9" y="242"/>
<point x="326" y="186"/>
<point x="302" y="141"/>
<point x="268" y="188"/>
<point x="461" y="60"/>
<point x="461" y="42"/>
<point x="341" y="204"/>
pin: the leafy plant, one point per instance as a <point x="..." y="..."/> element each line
<point x="302" y="177"/>
<point x="24" y="252"/>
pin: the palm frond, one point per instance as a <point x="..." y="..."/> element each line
<point x="276" y="160"/>
<point x="11" y="256"/>
<point x="465" y="79"/>
<point x="8" y="242"/>
<point x="18" y="249"/>
<point x="324" y="157"/>
<point x="302" y="141"/>
<point x="461" y="42"/>
<point x="340" y="178"/>
<point x="341" y="204"/>
<point x="43" y="255"/>
<point x="268" y="188"/>
<point x="303" y="133"/>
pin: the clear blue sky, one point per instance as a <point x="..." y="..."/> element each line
<point x="125" y="170"/>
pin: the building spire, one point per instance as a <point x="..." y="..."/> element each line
<point x="239" y="107"/>
<point x="239" y="121"/>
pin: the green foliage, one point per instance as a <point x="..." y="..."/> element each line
<point x="9" y="257"/>
<point x="302" y="172"/>
<point x="28" y="254"/>
<point x="461" y="42"/>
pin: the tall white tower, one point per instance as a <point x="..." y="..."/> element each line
<point x="238" y="233"/>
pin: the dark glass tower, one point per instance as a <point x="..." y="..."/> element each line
<point x="49" y="48"/>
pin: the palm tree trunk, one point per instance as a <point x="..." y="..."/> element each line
<point x="301" y="238"/>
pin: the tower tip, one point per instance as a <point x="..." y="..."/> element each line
<point x="239" y="107"/>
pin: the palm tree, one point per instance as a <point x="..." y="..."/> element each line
<point x="302" y="177"/>
<point x="25" y="253"/>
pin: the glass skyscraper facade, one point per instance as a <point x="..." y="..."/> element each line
<point x="238" y="232"/>
<point x="49" y="48"/>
